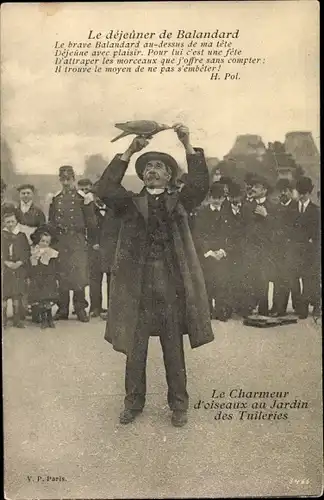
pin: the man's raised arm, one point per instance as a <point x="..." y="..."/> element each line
<point x="108" y="188"/>
<point x="197" y="181"/>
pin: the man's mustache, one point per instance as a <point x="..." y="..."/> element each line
<point x="152" y="173"/>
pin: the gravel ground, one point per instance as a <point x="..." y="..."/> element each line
<point x="64" y="389"/>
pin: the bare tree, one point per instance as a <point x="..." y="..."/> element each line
<point x="8" y="170"/>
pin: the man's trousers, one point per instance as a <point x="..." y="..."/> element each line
<point x="161" y="313"/>
<point x="79" y="300"/>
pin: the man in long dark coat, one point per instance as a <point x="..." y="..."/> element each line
<point x="210" y="234"/>
<point x="285" y="251"/>
<point x="307" y="240"/>
<point x="72" y="215"/>
<point x="236" y="225"/>
<point x="258" y="259"/>
<point x="157" y="285"/>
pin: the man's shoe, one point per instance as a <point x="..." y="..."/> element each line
<point x="95" y="313"/>
<point x="82" y="316"/>
<point x="104" y="316"/>
<point x="179" y="418"/>
<point x="127" y="416"/>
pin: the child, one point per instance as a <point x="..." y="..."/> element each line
<point x="43" y="292"/>
<point x="15" y="257"/>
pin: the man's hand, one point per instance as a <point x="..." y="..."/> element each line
<point x="261" y="211"/>
<point x="183" y="135"/>
<point x="137" y="144"/>
<point x="96" y="246"/>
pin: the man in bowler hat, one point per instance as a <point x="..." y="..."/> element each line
<point x="286" y="279"/>
<point x="157" y="285"/>
<point x="307" y="240"/>
<point x="72" y="215"/>
<point x="258" y="263"/>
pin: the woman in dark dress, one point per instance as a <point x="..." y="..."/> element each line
<point x="15" y="254"/>
<point x="43" y="289"/>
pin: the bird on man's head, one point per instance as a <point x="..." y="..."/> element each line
<point x="144" y="128"/>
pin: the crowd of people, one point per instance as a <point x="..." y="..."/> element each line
<point x="244" y="241"/>
<point x="45" y="256"/>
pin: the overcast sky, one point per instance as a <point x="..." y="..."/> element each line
<point x="50" y="119"/>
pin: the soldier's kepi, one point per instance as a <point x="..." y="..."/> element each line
<point x="66" y="175"/>
<point x="157" y="286"/>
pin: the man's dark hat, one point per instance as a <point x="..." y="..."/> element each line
<point x="44" y="229"/>
<point x="304" y="185"/>
<point x="284" y="184"/>
<point x="142" y="161"/>
<point x="235" y="190"/>
<point x="225" y="179"/>
<point x="26" y="186"/>
<point x="259" y="179"/>
<point x="66" y="171"/>
<point x="217" y="190"/>
<point x="249" y="176"/>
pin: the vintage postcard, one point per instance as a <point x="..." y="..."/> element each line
<point x="160" y="250"/>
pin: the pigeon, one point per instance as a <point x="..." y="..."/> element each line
<point x="144" y="128"/>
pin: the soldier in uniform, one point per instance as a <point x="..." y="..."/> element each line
<point x="72" y="215"/>
<point x="157" y="285"/>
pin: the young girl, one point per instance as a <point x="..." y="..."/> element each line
<point x="43" y="292"/>
<point x="14" y="257"/>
